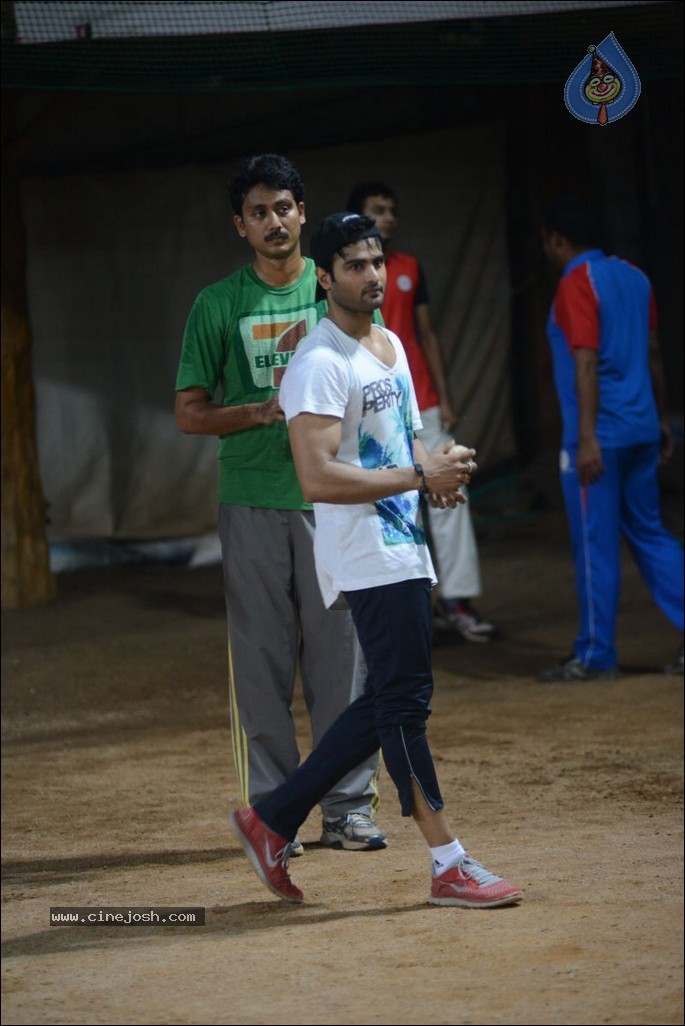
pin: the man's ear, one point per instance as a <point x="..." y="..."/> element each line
<point x="303" y="219"/>
<point x="239" y="226"/>
<point x="324" y="279"/>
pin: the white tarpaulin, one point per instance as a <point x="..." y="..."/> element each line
<point x="117" y="259"/>
<point x="49" y="22"/>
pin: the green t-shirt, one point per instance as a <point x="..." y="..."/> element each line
<point x="239" y="338"/>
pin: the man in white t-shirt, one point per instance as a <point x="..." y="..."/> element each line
<point x="352" y="416"/>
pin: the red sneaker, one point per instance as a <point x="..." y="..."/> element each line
<point x="471" y="885"/>
<point x="267" y="852"/>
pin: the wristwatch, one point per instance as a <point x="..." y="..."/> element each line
<point x="424" y="487"/>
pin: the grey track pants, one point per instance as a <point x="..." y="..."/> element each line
<point x="276" y="622"/>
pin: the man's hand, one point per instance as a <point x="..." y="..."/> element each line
<point x="589" y="462"/>
<point x="268" y="412"/>
<point x="448" y="418"/>
<point x="445" y="472"/>
<point x="446" y="501"/>
<point x="665" y="440"/>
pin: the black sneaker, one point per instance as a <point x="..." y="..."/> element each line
<point x="675" y="667"/>
<point x="572" y="671"/>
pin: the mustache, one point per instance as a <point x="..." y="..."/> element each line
<point x="277" y="233"/>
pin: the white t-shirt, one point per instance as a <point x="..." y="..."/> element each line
<point x="367" y="544"/>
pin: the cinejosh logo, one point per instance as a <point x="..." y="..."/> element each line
<point x="122" y="915"/>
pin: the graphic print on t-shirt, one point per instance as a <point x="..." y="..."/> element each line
<point x="389" y="397"/>
<point x="270" y="341"/>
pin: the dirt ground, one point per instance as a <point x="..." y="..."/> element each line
<point x="118" y="778"/>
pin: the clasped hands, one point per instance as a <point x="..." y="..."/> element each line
<point x="445" y="471"/>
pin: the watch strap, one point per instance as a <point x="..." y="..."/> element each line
<point x="423" y="489"/>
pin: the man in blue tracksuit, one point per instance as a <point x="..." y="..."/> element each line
<point x="609" y="378"/>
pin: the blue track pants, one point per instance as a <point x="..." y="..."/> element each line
<point x="625" y="501"/>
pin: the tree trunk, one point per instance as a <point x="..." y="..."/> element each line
<point x="26" y="576"/>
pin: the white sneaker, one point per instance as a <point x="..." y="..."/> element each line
<point x="353" y="832"/>
<point x="460" y="616"/>
<point x="295" y="848"/>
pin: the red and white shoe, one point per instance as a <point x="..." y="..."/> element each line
<point x="267" y="851"/>
<point x="471" y="885"/>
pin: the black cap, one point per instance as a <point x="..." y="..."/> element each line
<point x="338" y="230"/>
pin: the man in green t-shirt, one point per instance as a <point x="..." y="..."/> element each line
<point x="240" y="335"/>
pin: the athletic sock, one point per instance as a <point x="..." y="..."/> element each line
<point x="445" y="855"/>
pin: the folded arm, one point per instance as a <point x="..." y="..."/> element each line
<point x="315" y="442"/>
<point x="196" y="414"/>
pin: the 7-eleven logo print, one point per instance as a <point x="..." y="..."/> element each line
<point x="269" y="345"/>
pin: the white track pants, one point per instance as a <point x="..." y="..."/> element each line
<point x="455" y="552"/>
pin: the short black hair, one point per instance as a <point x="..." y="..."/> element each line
<point x="269" y="169"/>
<point x="361" y="192"/>
<point x="573" y="218"/>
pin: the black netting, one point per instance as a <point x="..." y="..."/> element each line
<point x="222" y="47"/>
